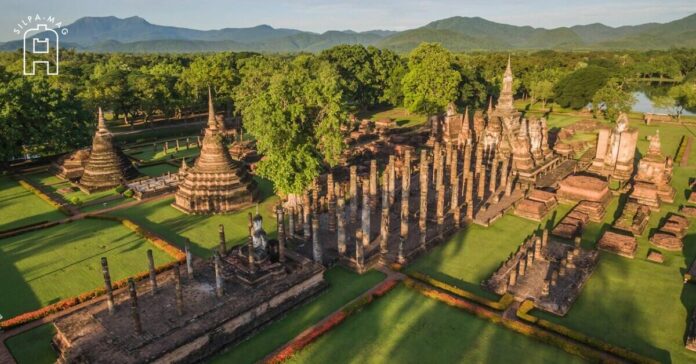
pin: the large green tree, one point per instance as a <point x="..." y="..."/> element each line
<point x="432" y="81"/>
<point x="613" y="98"/>
<point x="577" y="89"/>
<point x="294" y="110"/>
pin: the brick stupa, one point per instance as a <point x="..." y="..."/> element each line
<point x="216" y="183"/>
<point x="107" y="166"/>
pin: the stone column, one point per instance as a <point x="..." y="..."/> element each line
<point x="537" y="248"/>
<point x="456" y="211"/>
<point x="481" y="188"/>
<point x="341" y="222"/>
<point x="221" y="234"/>
<point x="466" y="168"/>
<point x="384" y="225"/>
<point x="353" y="195"/>
<point x="479" y="156"/>
<point x="400" y="254"/>
<point x="545" y="288"/>
<point x="508" y="184"/>
<point x="522" y="266"/>
<point x="178" y="291"/>
<point x="250" y="244"/>
<point x="470" y="197"/>
<point x="454" y="165"/>
<point x="544" y="239"/>
<point x="107" y="284"/>
<point x="315" y="196"/>
<point x="423" y="213"/>
<point x="504" y="171"/>
<point x="554" y="277"/>
<point x="494" y="174"/>
<point x="189" y="259"/>
<point x="291" y="223"/>
<point x="135" y="315"/>
<point x="530" y="258"/>
<point x="405" y="195"/>
<point x="366" y="213"/>
<point x="307" y="210"/>
<point x="219" y="288"/>
<point x="331" y="197"/>
<point x="280" y="220"/>
<point x="316" y="245"/>
<point x="151" y="268"/>
<point x="513" y="277"/>
<point x="440" y="203"/>
<point x="448" y="155"/>
<point x="392" y="179"/>
<point x="436" y="154"/>
<point x="373" y="183"/>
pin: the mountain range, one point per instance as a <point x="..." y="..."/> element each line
<point x="135" y="34"/>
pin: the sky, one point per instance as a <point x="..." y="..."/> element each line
<point x="358" y="15"/>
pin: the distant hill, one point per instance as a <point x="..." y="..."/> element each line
<point x="135" y="34"/>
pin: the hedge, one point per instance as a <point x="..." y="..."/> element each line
<point x="173" y="251"/>
<point x="44" y="197"/>
<point x="306" y="338"/>
<point x="500" y="305"/>
<point x="527" y="306"/>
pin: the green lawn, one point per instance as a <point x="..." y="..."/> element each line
<point x="344" y="286"/>
<point x="158" y="169"/>
<point x="400" y="115"/>
<point x="33" y="346"/>
<point x="56" y="184"/>
<point x="20" y="207"/>
<point x="147" y="154"/>
<point x="472" y="254"/>
<point x="406" y="327"/>
<point x="45" y="266"/>
<point x="160" y="217"/>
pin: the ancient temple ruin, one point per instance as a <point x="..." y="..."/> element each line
<point x="616" y="150"/>
<point x="652" y="181"/>
<point x="107" y="166"/>
<point x="215" y="183"/>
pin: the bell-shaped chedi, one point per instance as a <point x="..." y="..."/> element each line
<point x="215" y="183"/>
<point x="107" y="166"/>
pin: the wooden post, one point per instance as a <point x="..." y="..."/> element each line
<point x="151" y="268"/>
<point x="135" y="315"/>
<point x="107" y="284"/>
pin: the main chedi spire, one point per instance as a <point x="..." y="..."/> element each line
<point x="505" y="104"/>
<point x="215" y="183"/>
<point x="107" y="166"/>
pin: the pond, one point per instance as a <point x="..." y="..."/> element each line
<point x="643" y="104"/>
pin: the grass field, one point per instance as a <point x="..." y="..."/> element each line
<point x="33" y="346"/>
<point x="400" y="115"/>
<point x="160" y="217"/>
<point x="147" y="154"/>
<point x="21" y="207"/>
<point x="405" y="327"/>
<point x="158" y="169"/>
<point x="56" y="184"/>
<point x="45" y="266"/>
<point x="343" y="287"/>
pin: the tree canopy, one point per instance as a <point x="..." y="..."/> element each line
<point x="432" y="81"/>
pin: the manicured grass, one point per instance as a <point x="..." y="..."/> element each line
<point x="400" y="115"/>
<point x="406" y="327"/>
<point x="47" y="265"/>
<point x="147" y="154"/>
<point x="20" y="207"/>
<point x="158" y="169"/>
<point x="33" y="346"/>
<point x="56" y="184"/>
<point x="202" y="230"/>
<point x="472" y="254"/>
<point x="344" y="286"/>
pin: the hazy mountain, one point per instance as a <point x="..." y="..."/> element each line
<point x="135" y="34"/>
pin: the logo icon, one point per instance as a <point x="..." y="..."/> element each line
<point x="41" y="43"/>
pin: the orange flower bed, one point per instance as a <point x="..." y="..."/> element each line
<point x="304" y="339"/>
<point x="171" y="250"/>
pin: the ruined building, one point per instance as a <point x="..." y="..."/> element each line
<point x="216" y="183"/>
<point x="616" y="149"/>
<point x="107" y="166"/>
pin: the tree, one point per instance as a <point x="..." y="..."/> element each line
<point x="358" y="77"/>
<point x="107" y="87"/>
<point x="432" y="81"/>
<point x="390" y="70"/>
<point x="613" y="98"/>
<point x="577" y="89"/>
<point x="153" y="87"/>
<point x="684" y="96"/>
<point x="218" y="70"/>
<point x="294" y="110"/>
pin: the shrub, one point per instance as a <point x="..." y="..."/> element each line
<point x="121" y="189"/>
<point x="75" y="200"/>
<point x="128" y="193"/>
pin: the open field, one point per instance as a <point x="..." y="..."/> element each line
<point x="147" y="154"/>
<point x="158" y="169"/>
<point x="405" y="327"/>
<point x="33" y="346"/>
<point x="400" y="115"/>
<point x="344" y="286"/>
<point x="160" y="217"/>
<point x="65" y="189"/>
<point x="21" y="207"/>
<point x="44" y="266"/>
